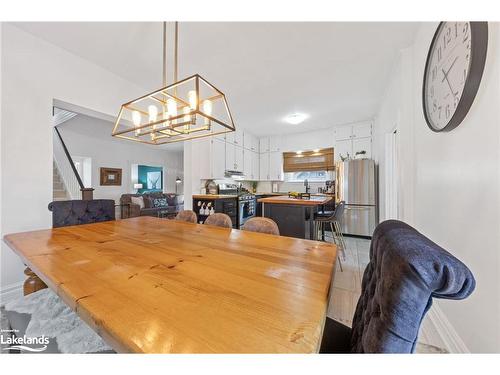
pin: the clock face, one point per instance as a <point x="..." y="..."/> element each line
<point x="448" y="91"/>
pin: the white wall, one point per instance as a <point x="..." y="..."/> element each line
<point x="452" y="185"/>
<point x="111" y="152"/>
<point x="34" y="73"/>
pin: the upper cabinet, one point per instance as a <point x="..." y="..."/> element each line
<point x="264" y="144"/>
<point x="359" y="130"/>
<point x="235" y="138"/>
<point x="354" y="140"/>
<point x="212" y="164"/>
<point x="270" y="144"/>
<point x="250" y="142"/>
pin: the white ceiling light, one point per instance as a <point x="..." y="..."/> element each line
<point x="295" y="118"/>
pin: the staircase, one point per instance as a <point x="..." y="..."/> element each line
<point x="59" y="192"/>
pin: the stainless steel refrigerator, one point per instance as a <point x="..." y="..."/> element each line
<point x="355" y="180"/>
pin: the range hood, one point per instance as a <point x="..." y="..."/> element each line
<point x="235" y="175"/>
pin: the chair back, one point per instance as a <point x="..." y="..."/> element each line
<point x="219" y="220"/>
<point x="76" y="212"/>
<point x="261" y="225"/>
<point x="339" y="211"/>
<point x="187" y="216"/>
<point x="405" y="272"/>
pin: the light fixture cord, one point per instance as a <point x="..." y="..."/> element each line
<point x="176" y="55"/>
<point x="164" y="54"/>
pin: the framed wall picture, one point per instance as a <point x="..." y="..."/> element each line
<point x="111" y="176"/>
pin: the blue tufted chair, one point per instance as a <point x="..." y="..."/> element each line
<point x="76" y="212"/>
<point x="406" y="271"/>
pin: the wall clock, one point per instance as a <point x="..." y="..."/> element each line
<point x="453" y="71"/>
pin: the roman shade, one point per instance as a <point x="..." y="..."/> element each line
<point x="317" y="160"/>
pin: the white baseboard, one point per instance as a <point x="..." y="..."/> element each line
<point x="10" y="292"/>
<point x="440" y="330"/>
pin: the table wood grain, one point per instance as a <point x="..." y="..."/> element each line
<point x="162" y="286"/>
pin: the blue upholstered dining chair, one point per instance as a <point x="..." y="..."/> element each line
<point x="406" y="271"/>
<point x="76" y="212"/>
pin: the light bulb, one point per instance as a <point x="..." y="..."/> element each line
<point x="136" y="118"/>
<point x="172" y="107"/>
<point x="153" y="113"/>
<point x="207" y="109"/>
<point x="192" y="99"/>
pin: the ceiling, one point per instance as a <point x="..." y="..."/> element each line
<point x="334" y="72"/>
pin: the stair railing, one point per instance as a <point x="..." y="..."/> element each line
<point x="86" y="193"/>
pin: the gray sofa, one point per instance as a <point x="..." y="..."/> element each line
<point x="174" y="204"/>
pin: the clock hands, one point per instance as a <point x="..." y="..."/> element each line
<point x="445" y="76"/>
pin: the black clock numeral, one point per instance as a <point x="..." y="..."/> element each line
<point x="447" y="111"/>
<point x="456" y="30"/>
<point x="447" y="37"/>
<point x="432" y="91"/>
<point x="434" y="73"/>
<point x="439" y="111"/>
<point x="466" y="32"/>
<point x="440" y="53"/>
<point x="465" y="75"/>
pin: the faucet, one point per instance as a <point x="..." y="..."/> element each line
<point x="306" y="184"/>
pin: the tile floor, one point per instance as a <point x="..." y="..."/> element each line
<point x="347" y="286"/>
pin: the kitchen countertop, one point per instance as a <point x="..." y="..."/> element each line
<point x="213" y="196"/>
<point x="314" y="201"/>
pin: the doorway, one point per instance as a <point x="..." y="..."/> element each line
<point x="391" y="176"/>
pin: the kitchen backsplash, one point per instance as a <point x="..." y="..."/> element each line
<point x="266" y="186"/>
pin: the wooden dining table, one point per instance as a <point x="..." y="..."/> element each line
<point x="150" y="285"/>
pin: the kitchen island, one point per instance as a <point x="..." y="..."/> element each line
<point x="294" y="216"/>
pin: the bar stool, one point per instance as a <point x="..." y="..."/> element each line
<point x="334" y="220"/>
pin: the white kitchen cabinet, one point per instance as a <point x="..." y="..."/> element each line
<point x="255" y="165"/>
<point x="343" y="132"/>
<point x="234" y="157"/>
<point x="275" y="143"/>
<point x="360" y="145"/>
<point x="264" y="166"/>
<point x="344" y="148"/>
<point x="250" y="142"/>
<point x="350" y="147"/>
<point x="218" y="158"/>
<point x="275" y="166"/>
<point x="362" y="130"/>
<point x="359" y="130"/>
<point x="230" y="157"/>
<point x="238" y="158"/>
<point x="264" y="144"/>
<point x="235" y="138"/>
<point x="247" y="164"/>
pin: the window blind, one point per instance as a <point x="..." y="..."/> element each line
<point x="318" y="160"/>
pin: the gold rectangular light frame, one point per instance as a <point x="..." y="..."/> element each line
<point x="168" y="130"/>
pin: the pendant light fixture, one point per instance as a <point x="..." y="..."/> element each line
<point x="186" y="109"/>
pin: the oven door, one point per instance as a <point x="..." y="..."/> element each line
<point x="246" y="210"/>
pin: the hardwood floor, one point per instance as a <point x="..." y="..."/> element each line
<point x="347" y="287"/>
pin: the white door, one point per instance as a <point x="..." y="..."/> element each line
<point x="218" y="158"/>
<point x="238" y="158"/>
<point x="343" y="149"/>
<point x="255" y="165"/>
<point x="276" y="166"/>
<point x="264" y="166"/>
<point x="362" y="145"/>
<point x="343" y="132"/>
<point x="230" y="153"/>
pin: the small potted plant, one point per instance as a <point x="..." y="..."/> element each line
<point x="254" y="186"/>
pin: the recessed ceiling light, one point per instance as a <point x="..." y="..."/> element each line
<point x="295" y="118"/>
